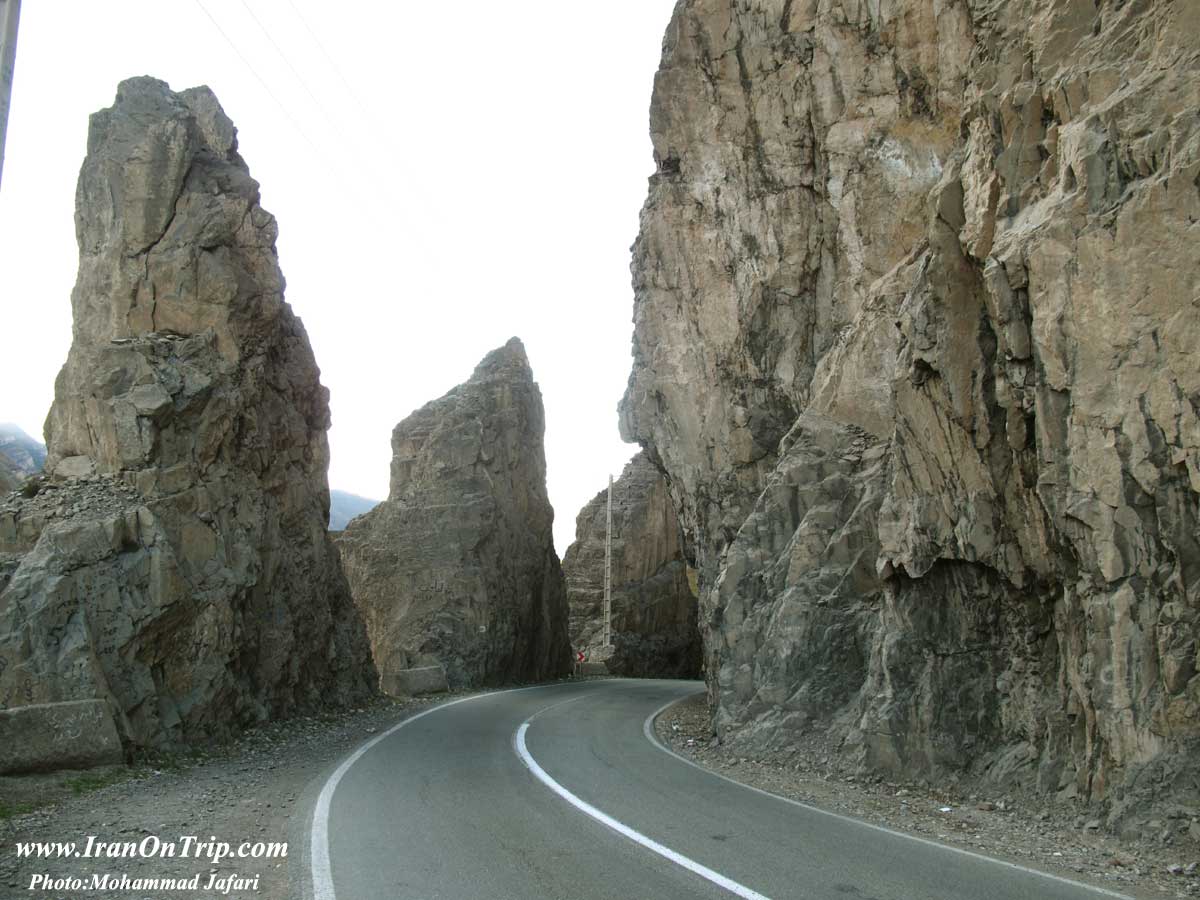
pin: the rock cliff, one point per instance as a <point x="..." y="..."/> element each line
<point x="457" y="567"/>
<point x="176" y="564"/>
<point x="916" y="342"/>
<point x="655" y="630"/>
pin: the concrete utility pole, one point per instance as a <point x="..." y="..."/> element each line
<point x="608" y="571"/>
<point x="10" y="13"/>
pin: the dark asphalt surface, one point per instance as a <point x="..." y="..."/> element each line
<point x="445" y="808"/>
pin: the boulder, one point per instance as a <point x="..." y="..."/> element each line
<point x="77" y="734"/>
<point x="411" y="682"/>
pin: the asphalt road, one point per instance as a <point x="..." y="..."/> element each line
<point x="464" y="802"/>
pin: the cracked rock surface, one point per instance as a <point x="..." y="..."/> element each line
<point x="655" y="630"/>
<point x="457" y="567"/>
<point x="176" y="561"/>
<point x="916" y="344"/>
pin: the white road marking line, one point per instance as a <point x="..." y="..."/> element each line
<point x="648" y="730"/>
<point x="322" y="872"/>
<point x="603" y="818"/>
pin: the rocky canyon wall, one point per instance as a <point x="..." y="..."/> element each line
<point x="176" y="562"/>
<point x="457" y="567"/>
<point x="916" y="338"/>
<point x="655" y="631"/>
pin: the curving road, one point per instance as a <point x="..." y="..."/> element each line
<point x="559" y="792"/>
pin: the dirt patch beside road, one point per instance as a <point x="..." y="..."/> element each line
<point x="250" y="791"/>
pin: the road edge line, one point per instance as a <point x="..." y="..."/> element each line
<point x="648" y="731"/>
<point x="624" y="830"/>
<point x="320" y="866"/>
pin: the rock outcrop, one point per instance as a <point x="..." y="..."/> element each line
<point x="916" y="344"/>
<point x="457" y="567"/>
<point x="176" y="564"/>
<point x="654" y="629"/>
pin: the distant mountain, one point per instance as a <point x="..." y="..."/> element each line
<point x="20" y="456"/>
<point x="343" y="507"/>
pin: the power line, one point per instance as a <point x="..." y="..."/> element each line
<point x="266" y="87"/>
<point x="345" y="183"/>
<point x="330" y="118"/>
<point x="316" y="40"/>
<point x="377" y="128"/>
<point x="300" y="78"/>
<point x="374" y="128"/>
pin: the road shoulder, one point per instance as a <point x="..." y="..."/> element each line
<point x="1044" y="838"/>
<point x="258" y="788"/>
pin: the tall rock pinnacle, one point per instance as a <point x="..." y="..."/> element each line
<point x="457" y="567"/>
<point x="177" y="563"/>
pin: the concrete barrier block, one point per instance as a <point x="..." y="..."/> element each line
<point x="410" y="682"/>
<point x="78" y="734"/>
<point x="593" y="667"/>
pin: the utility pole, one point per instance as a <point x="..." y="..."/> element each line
<point x="10" y="13"/>
<point x="608" y="571"/>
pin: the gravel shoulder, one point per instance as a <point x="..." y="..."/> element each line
<point x="1061" y="841"/>
<point x="252" y="790"/>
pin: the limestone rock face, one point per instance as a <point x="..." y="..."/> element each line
<point x="457" y="567"/>
<point x="655" y="630"/>
<point x="177" y="563"/>
<point x="916" y="343"/>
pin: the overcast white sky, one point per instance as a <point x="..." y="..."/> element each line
<point x="445" y="176"/>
